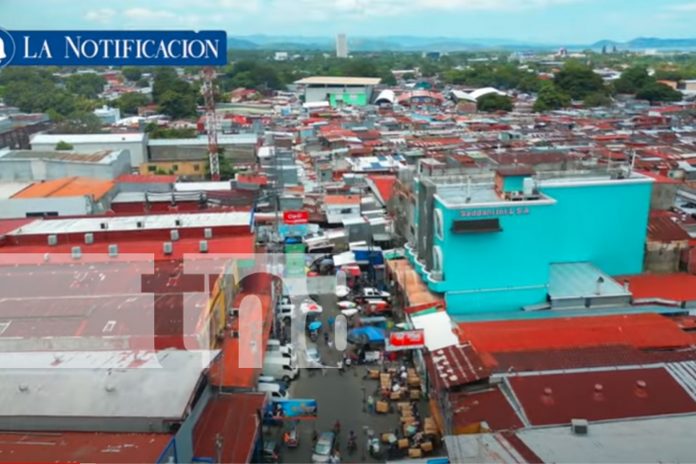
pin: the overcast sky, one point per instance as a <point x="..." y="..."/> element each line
<point x="567" y="21"/>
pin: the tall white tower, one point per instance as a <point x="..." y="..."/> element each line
<point x="341" y="46"/>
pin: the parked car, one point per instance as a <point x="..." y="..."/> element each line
<point x="287" y="350"/>
<point x="272" y="390"/>
<point x="324" y="447"/>
<point x="271" y="451"/>
<point x="312" y="357"/>
<point x="269" y="379"/>
<point x="371" y="292"/>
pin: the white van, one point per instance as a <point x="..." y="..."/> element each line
<point x="272" y="390"/>
<point x="274" y="346"/>
<point x="280" y="367"/>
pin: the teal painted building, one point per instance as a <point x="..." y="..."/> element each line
<point x="489" y="247"/>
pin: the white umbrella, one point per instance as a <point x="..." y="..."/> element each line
<point x="342" y="291"/>
<point x="310" y="307"/>
<point x="350" y="312"/>
<point x="347" y="304"/>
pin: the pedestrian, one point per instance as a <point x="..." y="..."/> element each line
<point x="326" y="338"/>
<point x="332" y="321"/>
<point x="371" y="404"/>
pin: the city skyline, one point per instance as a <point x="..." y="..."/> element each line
<point x="543" y="21"/>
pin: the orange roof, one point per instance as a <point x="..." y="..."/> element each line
<point x="229" y="369"/>
<point x="637" y="330"/>
<point x="677" y="287"/>
<point x="342" y="199"/>
<point x="68" y="187"/>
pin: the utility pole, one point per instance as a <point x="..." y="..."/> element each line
<point x="211" y="122"/>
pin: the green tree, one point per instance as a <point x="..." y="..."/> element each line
<point x="408" y="76"/>
<point x="632" y="80"/>
<point x="62" y="145"/>
<point x="157" y="132"/>
<point x="79" y="122"/>
<point x="132" y="73"/>
<point x="596" y="99"/>
<point x="128" y="103"/>
<point x="142" y="83"/>
<point x="578" y="80"/>
<point x="86" y="85"/>
<point x="177" y="105"/>
<point x="550" y="98"/>
<point x="655" y="92"/>
<point x="494" y="102"/>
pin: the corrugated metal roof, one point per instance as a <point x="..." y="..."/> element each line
<point x="52" y="139"/>
<point x="579" y="280"/>
<point x="550" y="399"/>
<point x="235" y="419"/>
<point x="338" y="80"/>
<point x="677" y="287"/>
<point x="107" y="448"/>
<point x="490" y="406"/>
<point x="637" y="330"/>
<point x="453" y="366"/>
<point x="68" y="187"/>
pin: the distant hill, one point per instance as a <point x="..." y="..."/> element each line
<point x="646" y="43"/>
<point x="443" y="44"/>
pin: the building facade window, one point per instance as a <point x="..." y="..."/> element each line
<point x="439" y="224"/>
<point x="437" y="259"/>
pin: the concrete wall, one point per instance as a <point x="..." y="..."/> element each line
<point x="36" y="169"/>
<point x="664" y="258"/>
<point x="237" y="154"/>
<point x="64" y="206"/>
<point x="137" y="150"/>
<point x="605" y="225"/>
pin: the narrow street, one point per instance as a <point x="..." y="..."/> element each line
<point x="340" y="396"/>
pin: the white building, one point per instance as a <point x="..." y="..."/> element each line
<point x="108" y="115"/>
<point x="281" y="56"/>
<point x="341" y="46"/>
<point x="28" y="165"/>
<point x="135" y="143"/>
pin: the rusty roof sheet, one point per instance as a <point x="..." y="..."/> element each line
<point x="490" y="406"/>
<point x="454" y="366"/>
<point x="234" y="417"/>
<point x="551" y="399"/>
<point x="113" y="448"/>
<point x="647" y="330"/>
<point x="663" y="228"/>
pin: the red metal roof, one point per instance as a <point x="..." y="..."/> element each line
<point x="149" y="179"/>
<point x="235" y="244"/>
<point x="638" y="330"/>
<point x="226" y="369"/>
<point x="384" y="185"/>
<point x="677" y="287"/>
<point x="114" y="448"/>
<point x="488" y="406"/>
<point x="233" y="417"/>
<point x="8" y="225"/>
<point x="454" y="366"/>
<point x="574" y="358"/>
<point x="605" y="395"/>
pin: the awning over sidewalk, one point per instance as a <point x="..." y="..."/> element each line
<point x="411" y="285"/>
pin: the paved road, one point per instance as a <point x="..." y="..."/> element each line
<point x="339" y="396"/>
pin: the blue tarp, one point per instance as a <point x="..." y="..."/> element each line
<point x="370" y="334"/>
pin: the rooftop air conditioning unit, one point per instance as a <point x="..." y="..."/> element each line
<point x="167" y="248"/>
<point x="174" y="235"/>
<point x="208" y="233"/>
<point x="113" y="250"/>
<point x="203" y="246"/>
<point x="76" y="252"/>
<point x="52" y="240"/>
<point x="579" y="426"/>
<point x="89" y="238"/>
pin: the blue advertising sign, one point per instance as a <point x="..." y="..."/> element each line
<point x="294" y="409"/>
<point x="113" y="48"/>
